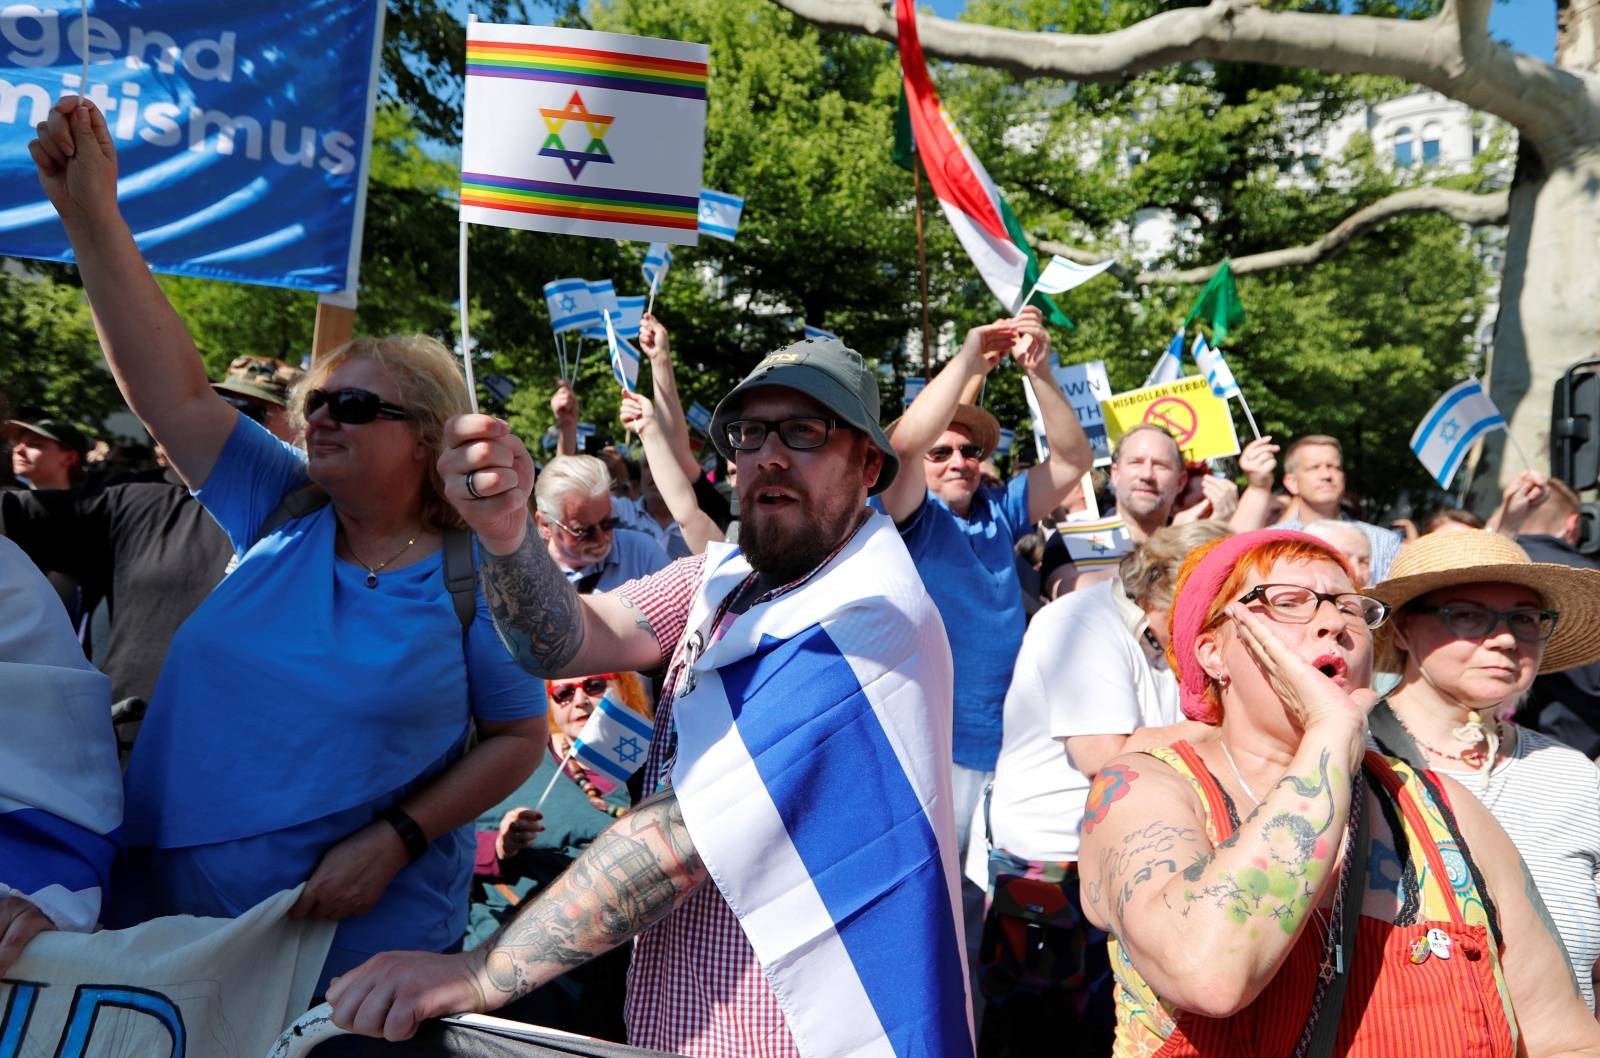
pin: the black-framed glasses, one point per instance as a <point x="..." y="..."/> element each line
<point x="593" y="686"/>
<point x="799" y="433"/>
<point x="1528" y="624"/>
<point x="353" y="407"/>
<point x="1296" y="604"/>
<point x="250" y="409"/>
<point x="942" y="453"/>
<point x="584" y="532"/>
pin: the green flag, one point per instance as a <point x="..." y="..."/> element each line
<point x="1219" y="304"/>
<point x="905" y="144"/>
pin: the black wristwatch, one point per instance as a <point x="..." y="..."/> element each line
<point x="411" y="835"/>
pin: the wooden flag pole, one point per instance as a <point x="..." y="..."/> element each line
<point x="922" y="274"/>
<point x="336" y="323"/>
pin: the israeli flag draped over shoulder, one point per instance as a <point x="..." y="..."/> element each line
<point x="1458" y="418"/>
<point x="813" y="771"/>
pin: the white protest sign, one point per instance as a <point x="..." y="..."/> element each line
<point x="1086" y="386"/>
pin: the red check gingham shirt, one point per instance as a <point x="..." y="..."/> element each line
<point x="695" y="986"/>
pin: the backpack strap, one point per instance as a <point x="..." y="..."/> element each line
<point x="461" y="575"/>
<point x="460" y="565"/>
<point x="295" y="504"/>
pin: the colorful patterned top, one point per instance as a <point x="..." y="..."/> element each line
<point x="1394" y="1005"/>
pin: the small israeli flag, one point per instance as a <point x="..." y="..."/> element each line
<point x="1211" y="362"/>
<point x="624" y="358"/>
<point x="914" y="386"/>
<point x="1458" y="418"/>
<point x="627" y="314"/>
<point x="818" y="332"/>
<point x="1007" y="439"/>
<point x="657" y="259"/>
<point x="1061" y="275"/>
<point x="719" y="214"/>
<point x="604" y="292"/>
<point x="571" y="303"/>
<point x="698" y="417"/>
<point x="614" y="740"/>
<point x="1170" y="367"/>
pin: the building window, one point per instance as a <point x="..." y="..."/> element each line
<point x="1430" y="144"/>
<point x="1404" y="147"/>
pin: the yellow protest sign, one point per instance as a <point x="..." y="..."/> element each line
<point x="1187" y="409"/>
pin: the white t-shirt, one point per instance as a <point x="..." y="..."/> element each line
<point x="1547" y="796"/>
<point x="1082" y="670"/>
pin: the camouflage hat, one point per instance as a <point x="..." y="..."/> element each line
<point x="260" y="377"/>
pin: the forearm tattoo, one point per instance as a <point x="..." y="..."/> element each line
<point x="631" y="877"/>
<point x="536" y="610"/>
<point x="1280" y="885"/>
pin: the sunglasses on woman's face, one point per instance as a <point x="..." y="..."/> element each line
<point x="593" y="686"/>
<point x="353" y="407"/>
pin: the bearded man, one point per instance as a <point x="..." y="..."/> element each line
<point x="800" y="759"/>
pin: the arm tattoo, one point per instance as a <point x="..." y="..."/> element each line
<point x="629" y="879"/>
<point x="535" y="609"/>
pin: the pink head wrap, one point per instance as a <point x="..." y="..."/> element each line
<point x="1195" y="597"/>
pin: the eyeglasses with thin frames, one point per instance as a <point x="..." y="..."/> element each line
<point x="584" y="532"/>
<point x="1527" y="624"/>
<point x="1296" y="604"/>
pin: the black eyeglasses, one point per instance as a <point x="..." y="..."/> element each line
<point x="353" y="407"/>
<point x="942" y="453"/>
<point x="593" y="686"/>
<point x="799" y="433"/>
<point x="1469" y="621"/>
<point x="1294" y="604"/>
<point x="247" y="407"/>
<point x="584" y="532"/>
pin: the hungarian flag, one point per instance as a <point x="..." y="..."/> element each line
<point x="972" y="203"/>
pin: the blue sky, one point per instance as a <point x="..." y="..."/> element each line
<point x="1528" y="25"/>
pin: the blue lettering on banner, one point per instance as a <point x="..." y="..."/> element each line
<point x="87" y="1003"/>
<point x="240" y="129"/>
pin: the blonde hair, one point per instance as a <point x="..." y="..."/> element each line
<point x="1150" y="572"/>
<point x="429" y="385"/>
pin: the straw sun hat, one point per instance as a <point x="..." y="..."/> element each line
<point x="982" y="427"/>
<point x="1475" y="556"/>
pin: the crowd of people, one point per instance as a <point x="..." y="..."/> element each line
<point x="1261" y="779"/>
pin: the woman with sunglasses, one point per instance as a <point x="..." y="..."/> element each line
<point x="1277" y="889"/>
<point x="521" y="849"/>
<point x="312" y="720"/>
<point x="1475" y="620"/>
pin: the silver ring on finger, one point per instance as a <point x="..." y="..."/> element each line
<point x="472" y="489"/>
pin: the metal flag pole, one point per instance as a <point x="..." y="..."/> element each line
<point x="466" y="334"/>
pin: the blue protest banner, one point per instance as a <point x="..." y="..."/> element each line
<point x="242" y="129"/>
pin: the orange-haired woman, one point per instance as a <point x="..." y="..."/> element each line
<point x="1278" y="890"/>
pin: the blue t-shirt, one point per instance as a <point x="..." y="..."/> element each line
<point x="297" y="704"/>
<point x="969" y="568"/>
<point x="633" y="555"/>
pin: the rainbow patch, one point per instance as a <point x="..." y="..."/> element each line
<point x="587" y="67"/>
<point x="604" y="204"/>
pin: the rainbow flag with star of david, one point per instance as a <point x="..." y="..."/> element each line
<point x="614" y="740"/>
<point x="583" y="133"/>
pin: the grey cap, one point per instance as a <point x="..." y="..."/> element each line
<point x="827" y="371"/>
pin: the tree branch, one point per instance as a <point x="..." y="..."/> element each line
<point x="1464" y="206"/>
<point x="1450" y="52"/>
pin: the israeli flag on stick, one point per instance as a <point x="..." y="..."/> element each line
<point x="1446" y="434"/>
<point x="1170" y="367"/>
<point x="1061" y="275"/>
<point x="627" y="313"/>
<point x="613" y="741"/>
<point x="698" y="417"/>
<point x="624" y="358"/>
<point x="571" y="303"/>
<point x="818" y="332"/>
<point x="914" y="386"/>
<point x="604" y="293"/>
<point x="657" y="259"/>
<point x="813" y="771"/>
<point x="720" y="213"/>
<point x="1216" y="369"/>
